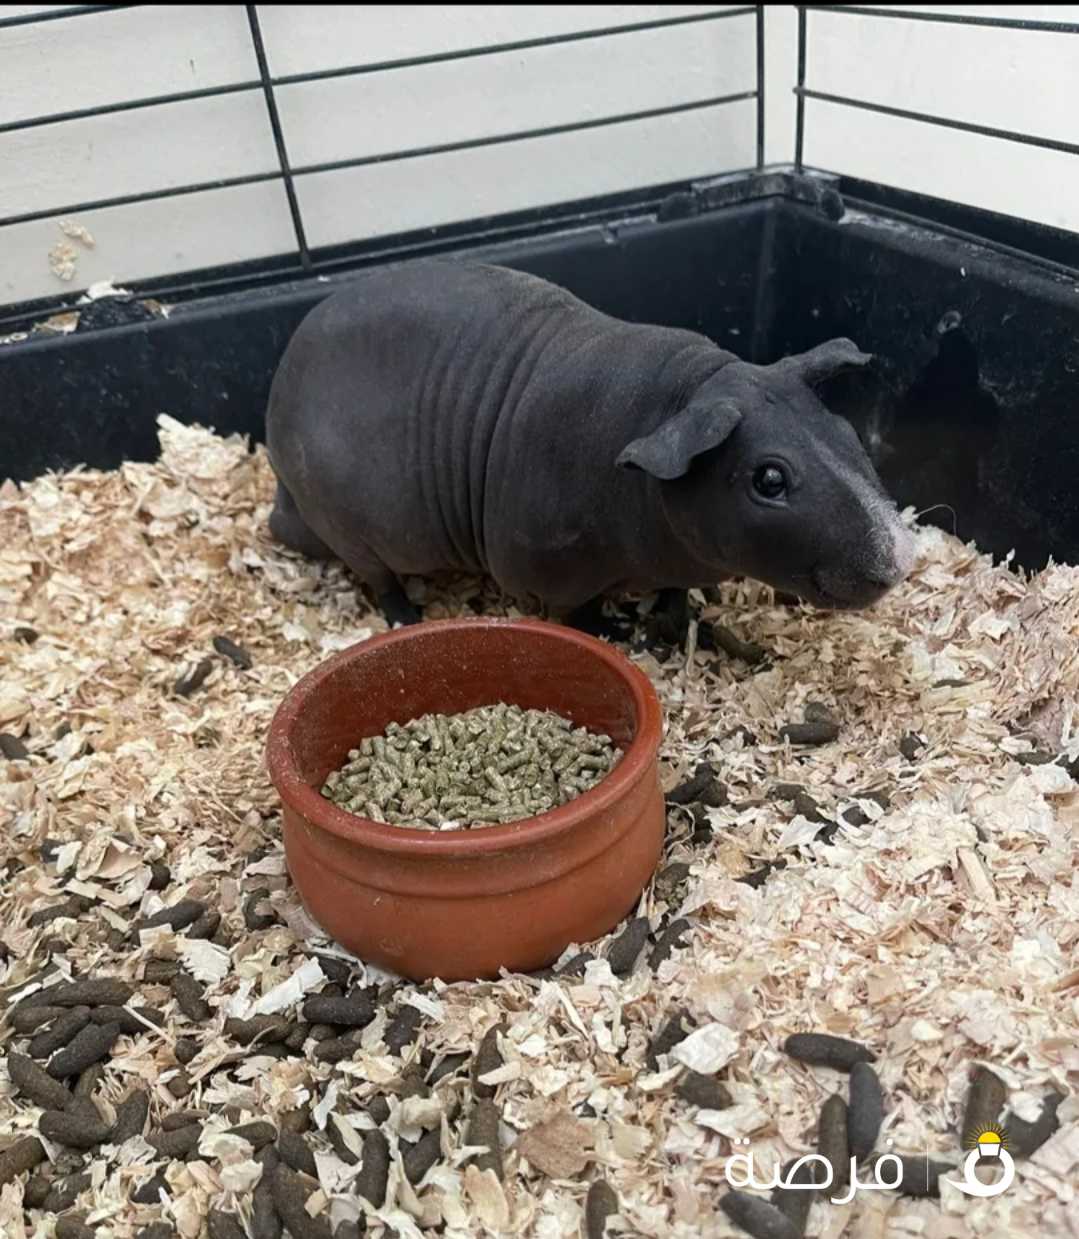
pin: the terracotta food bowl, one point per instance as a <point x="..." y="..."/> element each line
<point x="462" y="904"/>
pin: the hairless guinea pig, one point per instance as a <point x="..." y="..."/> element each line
<point x="444" y="415"/>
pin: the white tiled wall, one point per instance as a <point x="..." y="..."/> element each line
<point x="63" y="66"/>
<point x="1021" y="81"/>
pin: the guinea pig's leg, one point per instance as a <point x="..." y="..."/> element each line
<point x="395" y="606"/>
<point x="290" y="528"/>
<point x="672" y="616"/>
<point x="589" y="618"/>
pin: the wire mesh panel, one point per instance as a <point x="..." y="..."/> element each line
<point x="142" y="140"/>
<point x="975" y="106"/>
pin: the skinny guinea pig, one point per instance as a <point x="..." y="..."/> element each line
<point x="446" y="415"/>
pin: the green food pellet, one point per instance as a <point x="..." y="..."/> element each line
<point x="485" y="767"/>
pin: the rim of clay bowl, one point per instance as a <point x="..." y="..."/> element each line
<point x="325" y="815"/>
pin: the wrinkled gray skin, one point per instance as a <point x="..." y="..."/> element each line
<point x="445" y="415"/>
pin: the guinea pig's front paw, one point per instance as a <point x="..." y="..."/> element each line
<point x="396" y="609"/>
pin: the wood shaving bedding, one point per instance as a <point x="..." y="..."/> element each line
<point x="941" y="932"/>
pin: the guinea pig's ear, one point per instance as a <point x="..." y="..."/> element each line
<point x="668" y="452"/>
<point x="820" y="363"/>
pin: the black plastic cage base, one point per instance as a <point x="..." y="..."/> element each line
<point x="968" y="413"/>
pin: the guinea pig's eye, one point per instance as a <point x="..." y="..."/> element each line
<point x="770" y="482"/>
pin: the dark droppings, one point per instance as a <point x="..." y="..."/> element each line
<point x="375" y="1170"/>
<point x="866" y="1110"/>
<point x="403" y="1029"/>
<point x="74" y="1129"/>
<point x="35" y="1084"/>
<point x="676" y="1029"/>
<point x="805" y="805"/>
<point x="809" y="734"/>
<point x="260" y="1029"/>
<point x="60" y="1033"/>
<point x="221" y="1225"/>
<point x="786" y="791"/>
<point x="258" y="916"/>
<point x="131" y="1116"/>
<point x="176" y="916"/>
<point x="449" y="1066"/>
<point x="795" y="1204"/>
<point x="258" y="1134"/>
<point x="703" y="1091"/>
<point x="87" y="1047"/>
<point x="818" y="712"/>
<point x="63" y="1195"/>
<point x="670" y="879"/>
<point x="1027" y="1137"/>
<point x="71" y="908"/>
<point x="832" y="1143"/>
<point x="149" y="1193"/>
<point x="74" y="1227"/>
<point x="702" y="788"/>
<point x="379" y="1109"/>
<point x="36" y="1191"/>
<point x="176" y="1144"/>
<point x="338" y="971"/>
<point x="756" y="878"/>
<point x="160" y="971"/>
<point x="355" y="1010"/>
<point x="88" y="992"/>
<point x="921" y="1175"/>
<point x="133" y="1021"/>
<point x="488" y="1058"/>
<point x="206" y="926"/>
<point x="25" y="634"/>
<point x="715" y="636"/>
<point x="160" y="876"/>
<point x="627" y="947"/>
<point x="483" y="1133"/>
<point x="911" y="745"/>
<point x="157" y="1230"/>
<point x="339" y="1143"/>
<point x="985" y="1101"/>
<point x="182" y="1118"/>
<point x="23" y="1155"/>
<point x="28" y="1019"/>
<point x="825" y="1050"/>
<point x="290" y="1193"/>
<point x="189" y="998"/>
<point x="338" y="1049"/>
<point x="296" y="1153"/>
<point x="422" y="1156"/>
<point x="297" y="1121"/>
<point x="575" y="967"/>
<point x="600" y="1204"/>
<point x="228" y="648"/>
<point x="758" y="1217"/>
<point x="12" y="747"/>
<point x="265" y="1220"/>
<point x="193" y="680"/>
<point x="186" y="1050"/>
<point x="669" y="941"/>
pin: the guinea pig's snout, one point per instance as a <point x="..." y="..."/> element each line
<point x="894" y="558"/>
<point x="867" y="577"/>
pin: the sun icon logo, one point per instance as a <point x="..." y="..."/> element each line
<point x="988" y="1144"/>
<point x="988" y="1140"/>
